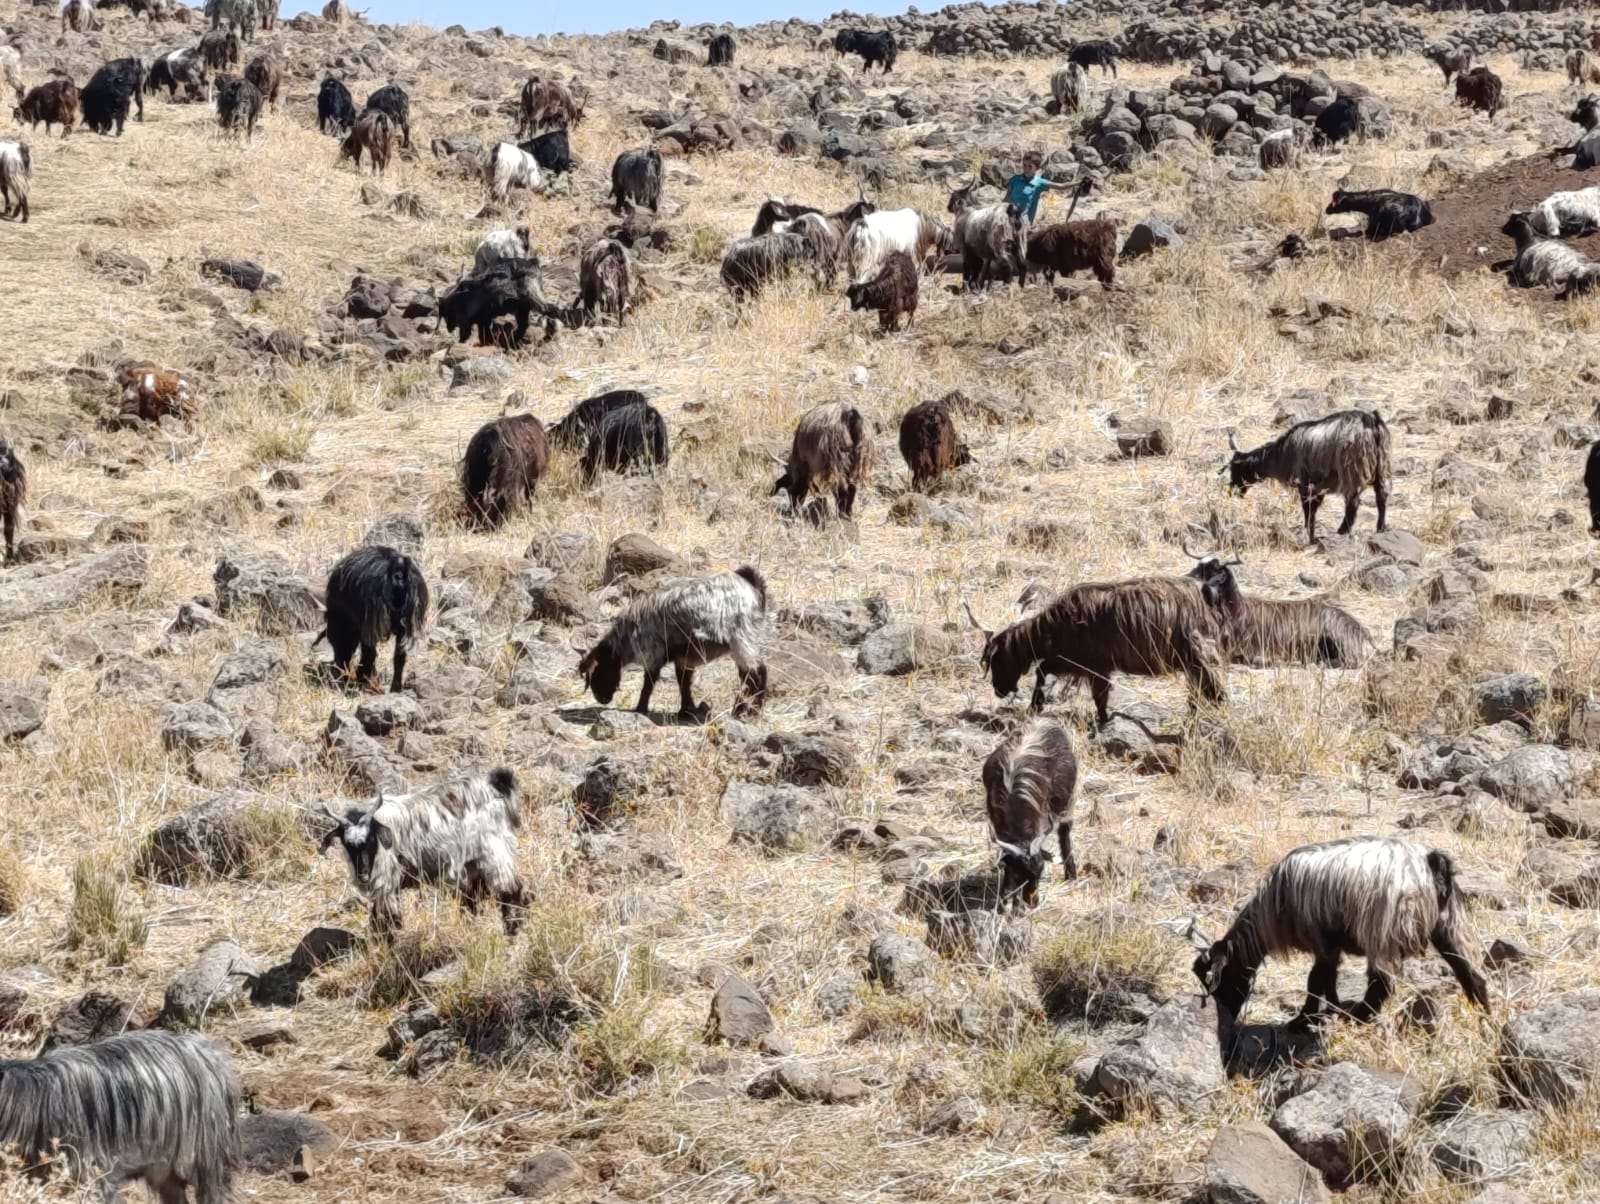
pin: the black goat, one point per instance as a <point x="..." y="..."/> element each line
<point x="374" y="593"/>
<point x="110" y="92"/>
<point x="636" y="179"/>
<point x="1337" y="123"/>
<point x="1095" y="54"/>
<point x="573" y="431"/>
<point x="1591" y="485"/>
<point x="336" y="108"/>
<point x="629" y="437"/>
<point x="1388" y="212"/>
<point x="238" y="104"/>
<point x="392" y="99"/>
<point x="503" y="464"/>
<point x="873" y="48"/>
<point x="720" y="51"/>
<point x="550" y="151"/>
<point x="13" y="492"/>
<point x="509" y="288"/>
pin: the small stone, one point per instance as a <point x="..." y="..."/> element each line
<point x="897" y="962"/>
<point x="738" y="1014"/>
<point x="1249" y="1164"/>
<point x="544" y="1174"/>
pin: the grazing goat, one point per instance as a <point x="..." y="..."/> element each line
<point x="1548" y="261"/>
<point x="503" y="464"/>
<point x="573" y="431"/>
<point x="667" y="52"/>
<point x="687" y="625"/>
<point x="374" y="593"/>
<point x="152" y="1106"/>
<point x="55" y="101"/>
<point x="392" y="99"/>
<point x="1339" y="122"/>
<point x="264" y="72"/>
<point x="185" y="67"/>
<point x="16" y="172"/>
<point x="1095" y="54"/>
<point x="234" y="14"/>
<point x="1388" y="212"/>
<point x="336" y="108"/>
<point x="991" y="245"/>
<point x="1480" y="89"/>
<point x="774" y="210"/>
<point x="238" y="104"/>
<point x="460" y="834"/>
<point x="1373" y="896"/>
<point x="1147" y="626"/>
<point x="1028" y="784"/>
<point x="627" y="438"/>
<point x="720" y="50"/>
<point x="1591" y="486"/>
<point x="1581" y="68"/>
<point x="824" y="233"/>
<point x="550" y="151"/>
<point x="546" y="103"/>
<point x="1068" y="247"/>
<point x="79" y="16"/>
<point x="833" y="445"/>
<point x="1263" y="632"/>
<point x="1562" y="213"/>
<point x="106" y="97"/>
<point x="1069" y="85"/>
<point x="878" y="235"/>
<point x="372" y="132"/>
<point x="13" y="493"/>
<point x="606" y="283"/>
<point x="1278" y="150"/>
<point x="892" y="292"/>
<point x="509" y="288"/>
<point x="873" y="48"/>
<point x="506" y="166"/>
<point x="152" y="394"/>
<point x="929" y="443"/>
<point x="220" y="49"/>
<point x="1342" y="453"/>
<point x="502" y="244"/>
<point x="750" y="264"/>
<point x="1448" y="59"/>
<point x="636" y="179"/>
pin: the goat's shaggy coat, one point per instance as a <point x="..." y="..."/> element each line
<point x="502" y="244"/>
<point x="686" y="626"/>
<point x="1339" y="122"/>
<point x="392" y="99"/>
<point x="267" y="75"/>
<point x="1069" y="85"/>
<point x="824" y="233"/>
<point x="833" y="445"/>
<point x="502" y="465"/>
<point x="606" y="282"/>
<point x="1297" y="631"/>
<point x="11" y="71"/>
<point x="1095" y="54"/>
<point x="878" y="47"/>
<point x="234" y="14"/>
<point x="1146" y="626"/>
<point x="238" y="105"/>
<point x="774" y="210"/>
<point x="508" y="288"/>
<point x="1028" y="784"/>
<point x="16" y="173"/>
<point x="1591" y="486"/>
<point x="13" y="493"/>
<point x="1581" y="68"/>
<point x="1480" y="89"/>
<point x="1388" y="212"/>
<point x="988" y="238"/>
<point x="720" y="51"/>
<point x="105" y="99"/>
<point x="1369" y="896"/>
<point x="79" y="16"/>
<point x="184" y="67"/>
<point x="550" y="150"/>
<point x="220" y="49"/>
<point x="506" y="166"/>
<point x="573" y="431"/>
<point x="546" y="104"/>
<point x="628" y="438"/>
<point x="1548" y="262"/>
<point x="1342" y="453"/>
<point x="461" y="835"/>
<point x="1562" y="213"/>
<point x="374" y="593"/>
<point x="1448" y="59"/>
<point x="929" y="443"/>
<point x="636" y="179"/>
<point x="372" y="132"/>
<point x="152" y="394"/>
<point x="876" y="236"/>
<point x="892" y="292"/>
<point x="54" y="102"/>
<point x="750" y="264"/>
<point x="1068" y="247"/>
<point x="153" y="1106"/>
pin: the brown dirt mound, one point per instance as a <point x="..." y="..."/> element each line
<point x="1466" y="234"/>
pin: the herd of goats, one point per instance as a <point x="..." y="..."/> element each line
<point x="161" y="1107"/>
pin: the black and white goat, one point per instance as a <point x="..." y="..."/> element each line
<point x="687" y="626"/>
<point x="502" y="244"/>
<point x="13" y="493"/>
<point x="1028" y="784"/>
<point x="1342" y="453"/>
<point x="461" y="835"/>
<point x="1549" y="262"/>
<point x="374" y="593"/>
<point x="16" y="176"/>
<point x="150" y="1106"/>
<point x="1375" y="897"/>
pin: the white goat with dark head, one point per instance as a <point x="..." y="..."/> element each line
<point x="460" y="834"/>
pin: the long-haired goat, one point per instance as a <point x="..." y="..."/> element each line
<point x="150" y="393"/>
<point x="751" y="264"/>
<point x="502" y="465"/>
<point x="1563" y="213"/>
<point x="545" y="104"/>
<point x="239" y="106"/>
<point x="153" y="1106"/>
<point x="988" y="238"/>
<point x="720" y="50"/>
<point x="686" y="626"/>
<point x="1068" y="247"/>
<point x="573" y="431"/>
<point x="628" y="438"/>
<point x="220" y="49"/>
<point x="1028" y="784"/>
<point x="16" y="173"/>
<point x="178" y="68"/>
<point x="1145" y="626"/>
<point x="1591" y="486"/>
<point x="879" y="235"/>
<point x="460" y="834"/>
<point x="54" y="101"/>
<point x="106" y="98"/>
<point x="509" y="288"/>
<point x="266" y="73"/>
<point x="636" y="179"/>
<point x="930" y="444"/>
<point x="1095" y="54"/>
<point x="774" y="210"/>
<point x="506" y="166"/>
<point x="606" y="280"/>
<point x="874" y="47"/>
<point x="1388" y="212"/>
<point x="1342" y="453"/>
<point x="1069" y="85"/>
<point x="1371" y="896"/>
<point x="1581" y="68"/>
<point x="374" y="593"/>
<point x="825" y="234"/>
<point x="13" y="493"/>
<point x="833" y="445"/>
<point x="550" y="150"/>
<point x="1480" y="89"/>
<point x="1339" y="122"/>
<point x="1268" y="631"/>
<point x="1448" y="59"/>
<point x="392" y="99"/>
<point x="502" y="244"/>
<point x="892" y="292"/>
<point x="1548" y="261"/>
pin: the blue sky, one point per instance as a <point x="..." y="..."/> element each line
<point x="601" y="16"/>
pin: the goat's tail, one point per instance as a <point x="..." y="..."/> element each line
<point x="756" y="580"/>
<point x="503" y="782"/>
<point x="1384" y="445"/>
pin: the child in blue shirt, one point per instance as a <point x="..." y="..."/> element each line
<point x="1025" y="190"/>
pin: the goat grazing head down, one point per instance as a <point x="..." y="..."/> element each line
<point x="601" y="670"/>
<point x="1211" y="962"/>
<point x="360" y="835"/>
<point x="1001" y="660"/>
<point x="1244" y="469"/>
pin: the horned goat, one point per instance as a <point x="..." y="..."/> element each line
<point x="1069" y="85"/>
<point x="636" y="179"/>
<point x="392" y="99"/>
<point x="879" y="235"/>
<point x="1372" y="896"/>
<point x="606" y="280"/>
<point x="1068" y="247"/>
<point x="506" y="166"/>
<point x="502" y="466"/>
<point x="374" y="593"/>
<point x="1567" y="213"/>
<point x="1448" y="59"/>
<point x="891" y="293"/>
<point x="1480" y="89"/>
<point x="460" y="834"/>
<point x="1095" y="54"/>
<point x="1028" y="784"/>
<point x="1548" y="261"/>
<point x="1342" y="453"/>
<point x="751" y="264"/>
<point x="687" y="625"/>
<point x="833" y="445"/>
<point x="1263" y="632"/>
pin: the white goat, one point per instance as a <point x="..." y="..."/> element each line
<point x="461" y="834"/>
<point x="1560" y="213"/>
<point x="507" y="166"/>
<point x="502" y="244"/>
<point x="878" y="235"/>
<point x="1070" y="87"/>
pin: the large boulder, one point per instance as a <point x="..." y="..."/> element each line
<point x="1531" y="778"/>
<point x="219" y="838"/>
<point x="23" y="707"/>
<point x="270" y="1141"/>
<point x="777" y="819"/>
<point x="1351" y="1125"/>
<point x="738" y="1015"/>
<point x="1478" y="1146"/>
<point x="897" y="962"/>
<point x="263" y="588"/>
<point x="215" y="982"/>
<point x="1551" y="1053"/>
<point x="906" y="647"/>
<point x="1172" y="1064"/>
<point x="119" y="573"/>
<point x="1249" y="1164"/>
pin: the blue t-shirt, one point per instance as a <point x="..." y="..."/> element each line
<point x="1025" y="193"/>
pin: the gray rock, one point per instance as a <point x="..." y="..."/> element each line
<point x="953" y="1116"/>
<point x="400" y="531"/>
<point x="774" y="818"/>
<point x="1578" y="819"/>
<point x="269" y="1141"/>
<point x="634" y="556"/>
<point x="897" y="962"/>
<point x="1474" y="1147"/>
<point x="213" y="983"/>
<point x="539" y="593"/>
<point x="838" y="996"/>
<point x="845" y="621"/>
<point x="189" y="727"/>
<point x="813" y="758"/>
<point x="738" y="1014"/>
<point x="1172" y="1064"/>
<point x="1551" y="1053"/>
<point x="906" y="647"/>
<point x="243" y="682"/>
<point x="544" y="1174"/>
<point x="987" y="938"/>
<point x="1531" y="778"/>
<point x="1515" y="697"/>
<point x="1351" y="1125"/>
<point x="214" y="839"/>
<point x="481" y="371"/>
<point x="807" y="1082"/>
<point x="1401" y="546"/>
<point x="1138" y="437"/>
<point x="119" y="574"/>
<point x="386" y="713"/>
<point x="89" y="1018"/>
<point x="1249" y="1164"/>
<point x="263" y="587"/>
<point x="369" y="766"/>
<point x="23" y="707"/>
<point x="1147" y="237"/>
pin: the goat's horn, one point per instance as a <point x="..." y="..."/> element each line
<point x="971" y="618"/>
<point x="1200" y="939"/>
<point x="1232" y="446"/>
<point x="1184" y="544"/>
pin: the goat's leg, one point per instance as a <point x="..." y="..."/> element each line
<point x="687" y="711"/>
<point x="643" y="705"/>
<point x="752" y="679"/>
<point x="367" y="673"/>
<point x="1380" y="497"/>
<point x="399" y="667"/>
<point x="799" y="486"/>
<point x="1308" y="511"/>
<point x="1100" y="691"/>
<point x="1322" y="991"/>
<point x="513" y="907"/>
<point x="845" y="497"/>
<point x="1069" y="867"/>
<point x="1036" y="703"/>
<point x="173" y="1190"/>
<point x="1380" y="985"/>
<point x="1472" y="984"/>
<point x="11" y="533"/>
<point x="1352" y="505"/>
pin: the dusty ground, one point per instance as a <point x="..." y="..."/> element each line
<point x="1198" y="336"/>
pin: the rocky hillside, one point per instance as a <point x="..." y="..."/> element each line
<point x="763" y="959"/>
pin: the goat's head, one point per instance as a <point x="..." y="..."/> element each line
<point x="1517" y="227"/>
<point x="1215" y="575"/>
<point x="1243" y="468"/>
<point x="1339" y="203"/>
<point x="1002" y="659"/>
<point x="857" y="295"/>
<point x="1020" y="871"/>
<point x="1210" y="963"/>
<point x="961" y="198"/>
<point x="10" y="466"/>
<point x="601" y="670"/>
<point x="360" y="835"/>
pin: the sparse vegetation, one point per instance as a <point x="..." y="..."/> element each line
<point x="100" y="922"/>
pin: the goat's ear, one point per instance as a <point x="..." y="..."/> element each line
<point x="330" y="836"/>
<point x="385" y="837"/>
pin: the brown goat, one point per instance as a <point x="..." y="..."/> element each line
<point x="1069" y="247"/>
<point x="13" y="493"/>
<point x="374" y="133"/>
<point x="668" y="52"/>
<point x="605" y="280"/>
<point x="929" y="443"/>
<point x="264" y="72"/>
<point x="1263" y="632"/>
<point x="546" y="104"/>
<point x="151" y="393"/>
<point x="1028" y="784"/>
<point x="1148" y="626"/>
<point x="55" y="101"/>
<point x="833" y="445"/>
<point x="892" y="292"/>
<point x="503" y="464"/>
<point x="1480" y="89"/>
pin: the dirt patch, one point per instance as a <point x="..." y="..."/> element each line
<point x="1466" y="234"/>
